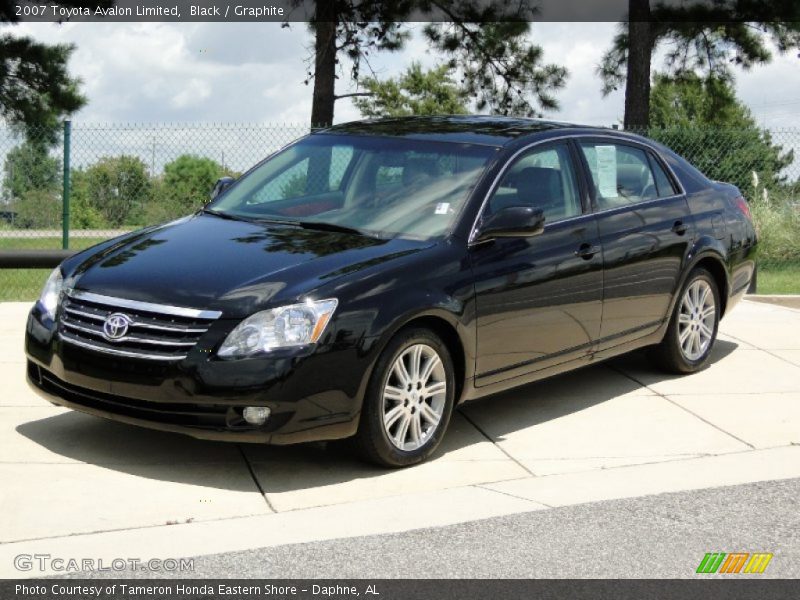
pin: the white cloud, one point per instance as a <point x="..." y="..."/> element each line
<point x="222" y="72"/>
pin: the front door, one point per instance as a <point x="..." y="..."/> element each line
<point x="538" y="299"/>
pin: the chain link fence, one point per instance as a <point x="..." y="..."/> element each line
<point x="122" y="177"/>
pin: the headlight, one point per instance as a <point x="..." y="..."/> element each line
<point x="51" y="293"/>
<point x="283" y="327"/>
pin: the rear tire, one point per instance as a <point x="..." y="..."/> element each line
<point x="692" y="331"/>
<point x="409" y="401"/>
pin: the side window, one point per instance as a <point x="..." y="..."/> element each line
<point x="289" y="184"/>
<point x="320" y="173"/>
<point x="664" y="185"/>
<point x="341" y="157"/>
<point x="621" y="174"/>
<point x="543" y="178"/>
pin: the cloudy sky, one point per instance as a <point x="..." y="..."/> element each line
<point x="254" y="72"/>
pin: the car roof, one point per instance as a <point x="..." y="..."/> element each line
<point x="468" y="129"/>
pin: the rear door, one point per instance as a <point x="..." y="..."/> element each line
<point x="645" y="230"/>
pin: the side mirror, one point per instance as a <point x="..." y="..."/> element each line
<point x="222" y="184"/>
<point x="513" y="221"/>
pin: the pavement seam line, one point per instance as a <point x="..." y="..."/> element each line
<point x="495" y="444"/>
<point x="255" y="478"/>
<point x="770" y="352"/>
<point x="261" y="515"/>
<point x="694" y="414"/>
<point x="123" y="529"/>
<point x="681" y="458"/>
<point x="488" y="489"/>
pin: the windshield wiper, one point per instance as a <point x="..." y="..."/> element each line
<point x="277" y="221"/>
<point x="322" y="226"/>
<point x="314" y="225"/>
<point x="225" y="215"/>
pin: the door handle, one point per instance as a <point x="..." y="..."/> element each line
<point x="680" y="227"/>
<point x="586" y="251"/>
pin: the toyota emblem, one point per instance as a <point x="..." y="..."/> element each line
<point x="116" y="326"/>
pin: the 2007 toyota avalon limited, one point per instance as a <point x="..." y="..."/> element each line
<point x="367" y="278"/>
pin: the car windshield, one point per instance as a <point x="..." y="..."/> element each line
<point x="378" y="186"/>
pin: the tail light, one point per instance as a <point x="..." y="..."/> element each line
<point x="742" y="205"/>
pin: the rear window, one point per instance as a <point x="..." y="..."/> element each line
<point x="692" y="179"/>
<point x="664" y="184"/>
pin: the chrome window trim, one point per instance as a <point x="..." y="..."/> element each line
<point x="643" y="204"/>
<point x="118" y="352"/>
<point x="576" y="136"/>
<point x="164" y="309"/>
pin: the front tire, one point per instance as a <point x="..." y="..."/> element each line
<point x="692" y="330"/>
<point x="409" y="400"/>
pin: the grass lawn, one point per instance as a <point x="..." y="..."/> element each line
<point x="21" y="284"/>
<point x="25" y="284"/>
<point x="779" y="279"/>
<point x="45" y="243"/>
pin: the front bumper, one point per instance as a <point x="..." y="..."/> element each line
<point x="314" y="395"/>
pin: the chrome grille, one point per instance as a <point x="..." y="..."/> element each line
<point x="154" y="331"/>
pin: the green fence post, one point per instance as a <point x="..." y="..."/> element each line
<point x="66" y="190"/>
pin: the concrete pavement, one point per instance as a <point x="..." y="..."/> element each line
<point x="661" y="536"/>
<point x="77" y="486"/>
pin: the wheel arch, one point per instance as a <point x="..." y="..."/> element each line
<point x="449" y="335"/>
<point x="714" y="265"/>
<point x="446" y="326"/>
<point x="709" y="253"/>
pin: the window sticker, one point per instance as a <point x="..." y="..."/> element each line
<point x="607" y="170"/>
<point x="442" y="208"/>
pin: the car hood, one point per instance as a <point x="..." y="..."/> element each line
<point x="204" y="261"/>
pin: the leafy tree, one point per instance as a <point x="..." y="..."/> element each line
<point x="702" y="120"/>
<point x="415" y="92"/>
<point x="184" y="187"/>
<point x="706" y="38"/>
<point x="115" y="188"/>
<point x="36" y="90"/>
<point x="38" y="209"/>
<point x="28" y="167"/>
<point x="82" y="214"/>
<point x="486" y="42"/>
<point x="498" y="67"/>
<point x="31" y="185"/>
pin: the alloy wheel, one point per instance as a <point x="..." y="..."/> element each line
<point x="414" y="397"/>
<point x="696" y="320"/>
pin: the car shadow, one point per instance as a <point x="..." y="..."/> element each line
<point x="577" y="390"/>
<point x="172" y="457"/>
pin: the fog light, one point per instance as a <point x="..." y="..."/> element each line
<point x="256" y="415"/>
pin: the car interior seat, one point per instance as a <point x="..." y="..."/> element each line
<point x="541" y="187"/>
<point x="417" y="171"/>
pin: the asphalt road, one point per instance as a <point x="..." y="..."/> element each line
<point x="662" y="536"/>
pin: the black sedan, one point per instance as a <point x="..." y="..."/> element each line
<point x="366" y="279"/>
